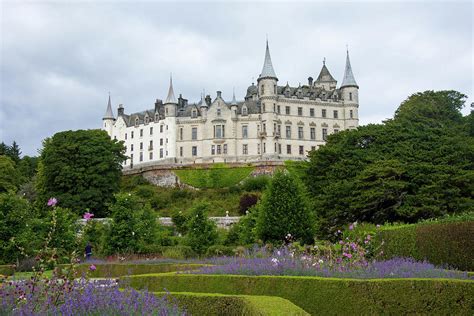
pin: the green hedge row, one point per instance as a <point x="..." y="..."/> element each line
<point x="329" y="296"/>
<point x="448" y="243"/>
<point x="211" y="304"/>
<point x="7" y="269"/>
<point x="121" y="269"/>
<point x="217" y="176"/>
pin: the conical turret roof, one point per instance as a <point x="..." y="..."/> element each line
<point x="348" y="80"/>
<point x="171" y="98"/>
<point x="267" y="70"/>
<point x="203" y="100"/>
<point x="234" y="101"/>
<point x="325" y="75"/>
<point x="109" y="114"/>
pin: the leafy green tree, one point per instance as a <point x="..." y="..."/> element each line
<point x="284" y="210"/>
<point x="9" y="176"/>
<point x="81" y="169"/>
<point x="180" y="221"/>
<point x="202" y="232"/>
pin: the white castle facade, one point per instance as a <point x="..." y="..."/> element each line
<point x="272" y="123"/>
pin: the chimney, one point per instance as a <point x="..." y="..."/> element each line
<point x="310" y="81"/>
<point x="219" y="94"/>
<point x="120" y="110"/>
<point x="158" y="105"/>
<point x="208" y="99"/>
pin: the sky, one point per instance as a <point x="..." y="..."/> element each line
<point x="59" y="60"/>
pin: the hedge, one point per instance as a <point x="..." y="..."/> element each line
<point x="211" y="304"/>
<point x="122" y="269"/>
<point x="329" y="295"/>
<point x="447" y="244"/>
<point x="7" y="269"/>
<point x="217" y="176"/>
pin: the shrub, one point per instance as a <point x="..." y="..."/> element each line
<point x="247" y="200"/>
<point x="220" y="250"/>
<point x="255" y="183"/>
<point x="202" y="232"/>
<point x="180" y="222"/>
<point x="178" y="252"/>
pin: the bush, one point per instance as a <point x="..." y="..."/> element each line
<point x="255" y="183"/>
<point x="329" y="296"/>
<point x="178" y="252"/>
<point x="219" y="251"/>
<point x="180" y="222"/>
<point x="247" y="200"/>
<point x="202" y="232"/>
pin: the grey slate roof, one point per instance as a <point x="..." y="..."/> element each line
<point x="171" y="98"/>
<point x="348" y="80"/>
<point x="267" y="70"/>
<point x="325" y="75"/>
<point x="108" y="113"/>
<point x="306" y="91"/>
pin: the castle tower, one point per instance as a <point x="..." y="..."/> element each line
<point x="171" y="105"/>
<point x="233" y="107"/>
<point x="350" y="95"/>
<point x="109" y="118"/>
<point x="267" y="81"/>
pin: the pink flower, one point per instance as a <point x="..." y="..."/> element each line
<point x="368" y="237"/>
<point x="378" y="226"/>
<point x="92" y="267"/>
<point x="347" y="255"/>
<point x="52" y="202"/>
<point x="88" y="216"/>
<point x="351" y="226"/>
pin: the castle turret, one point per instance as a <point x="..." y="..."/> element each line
<point x="171" y="103"/>
<point x="109" y="118"/>
<point x="171" y="107"/>
<point x="233" y="107"/>
<point x="350" y="95"/>
<point x="203" y="106"/>
<point x="267" y="81"/>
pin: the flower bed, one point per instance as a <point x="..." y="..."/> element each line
<point x="329" y="295"/>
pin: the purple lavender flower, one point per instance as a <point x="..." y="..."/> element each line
<point x="52" y="202"/>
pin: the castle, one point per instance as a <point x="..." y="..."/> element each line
<point x="272" y="123"/>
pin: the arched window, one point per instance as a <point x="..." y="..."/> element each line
<point x="147" y="119"/>
<point x="350" y="96"/>
<point x="194" y="113"/>
<point x="137" y="121"/>
<point x="157" y="117"/>
<point x="244" y="110"/>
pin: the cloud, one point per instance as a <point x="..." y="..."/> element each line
<point x="59" y="61"/>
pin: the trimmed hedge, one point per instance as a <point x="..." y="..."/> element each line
<point x="122" y="269"/>
<point x="7" y="269"/>
<point x="443" y="243"/>
<point x="329" y="296"/>
<point x="216" y="176"/>
<point x="211" y="304"/>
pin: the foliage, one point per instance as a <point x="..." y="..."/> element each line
<point x="329" y="296"/>
<point x="216" y="176"/>
<point x="180" y="222"/>
<point x="9" y="176"/>
<point x="95" y="233"/>
<point x="247" y="200"/>
<point x="244" y="231"/>
<point x="252" y="184"/>
<point x="416" y="166"/>
<point x="81" y="169"/>
<point x="283" y="211"/>
<point x="202" y="232"/>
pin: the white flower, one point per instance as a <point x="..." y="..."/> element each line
<point x="275" y="261"/>
<point x="321" y="261"/>
<point x="279" y="252"/>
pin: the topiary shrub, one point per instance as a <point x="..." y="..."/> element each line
<point x="201" y="232"/>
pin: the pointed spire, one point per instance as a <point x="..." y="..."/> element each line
<point x="348" y="80"/>
<point x="234" y="101"/>
<point x="109" y="115"/>
<point x="267" y="70"/>
<point x="203" y="100"/>
<point x="171" y="98"/>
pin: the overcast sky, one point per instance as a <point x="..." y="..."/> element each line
<point x="59" y="61"/>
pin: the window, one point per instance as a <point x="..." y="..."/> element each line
<point x="161" y="152"/>
<point x="218" y="112"/>
<point x="131" y="134"/>
<point x="194" y="150"/>
<point x="131" y="147"/>
<point x="141" y="132"/>
<point x="141" y="145"/>
<point x="312" y="132"/>
<point x="141" y="156"/>
<point x="323" y="112"/>
<point x="181" y="151"/>
<point x="151" y="130"/>
<point x="125" y="148"/>
<point x="325" y="134"/>
<point x="219" y="131"/>
<point x="300" y="132"/>
<point x="288" y="149"/>
<point x="194" y="113"/>
<point x="264" y="127"/>
<point x="279" y="130"/>
<point x="126" y="134"/>
<point x="150" y="147"/>
<point x="244" y="149"/>
<point x="213" y="149"/>
<point x="287" y="110"/>
<point x="263" y="104"/>
<point x="161" y="141"/>
<point x="263" y="89"/>
<point x="336" y="130"/>
<point x="313" y="148"/>
<point x="180" y="133"/>
<point x="258" y="149"/>
<point x="279" y="148"/>
<point x="311" y="112"/>
<point x="161" y="128"/>
<point x="278" y="109"/>
<point x="136" y="121"/>
<point x="300" y="111"/>
<point x="288" y="131"/>
<point x="275" y="149"/>
<point x="225" y="149"/>
<point x="350" y="96"/>
<point x="115" y="137"/>
<point x="131" y="159"/>
<point x="150" y="155"/>
<point x="264" y="147"/>
<point x="274" y="89"/>
<point x="244" y="110"/>
<point x="245" y="131"/>
<point x="147" y="120"/>
<point x="301" y="150"/>
<point x="351" y="115"/>
<point x="336" y="114"/>
<point x="274" y="108"/>
<point x="274" y="128"/>
<point x="157" y="117"/>
<point x="166" y="111"/>
<point x="218" y="149"/>
<point x="194" y="132"/>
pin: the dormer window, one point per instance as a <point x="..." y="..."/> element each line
<point x="157" y="117"/>
<point x="137" y="121"/>
<point x="147" y="119"/>
<point x="194" y="113"/>
<point x="244" y="110"/>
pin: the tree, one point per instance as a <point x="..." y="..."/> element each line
<point x="202" y="232"/>
<point x="283" y="210"/>
<point x="82" y="169"/>
<point x="9" y="176"/>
